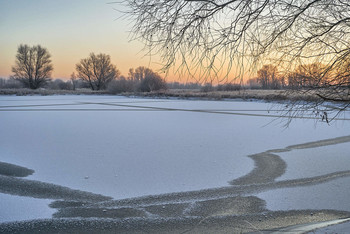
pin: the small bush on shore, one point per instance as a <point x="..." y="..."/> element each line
<point x="207" y="88"/>
<point x="59" y="84"/>
<point x="152" y="82"/>
<point x="229" y="87"/>
<point x="10" y="84"/>
<point x="121" y="86"/>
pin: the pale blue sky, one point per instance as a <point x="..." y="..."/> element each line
<point x="70" y="30"/>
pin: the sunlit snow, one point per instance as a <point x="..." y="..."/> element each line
<point x="127" y="147"/>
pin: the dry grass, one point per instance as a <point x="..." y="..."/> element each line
<point x="268" y="95"/>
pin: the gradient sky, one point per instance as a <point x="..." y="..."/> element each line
<point x="70" y="30"/>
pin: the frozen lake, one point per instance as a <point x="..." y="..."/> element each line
<point x="128" y="147"/>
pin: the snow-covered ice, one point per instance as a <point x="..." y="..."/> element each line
<point x="128" y="147"/>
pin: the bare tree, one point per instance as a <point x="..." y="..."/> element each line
<point x="209" y="39"/>
<point x="268" y="77"/>
<point x="97" y="70"/>
<point x="311" y="76"/>
<point x="152" y="82"/>
<point x="33" y="66"/>
<point x="139" y="73"/>
<point x="146" y="80"/>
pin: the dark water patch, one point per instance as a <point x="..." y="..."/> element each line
<point x="115" y="213"/>
<point x="310" y="181"/>
<point x="327" y="142"/>
<point x="233" y="205"/>
<point x="36" y="189"/>
<point x="8" y="169"/>
<point x="314" y="144"/>
<point x="67" y="204"/>
<point x="167" y="210"/>
<point x="278" y="150"/>
<point x="228" y="206"/>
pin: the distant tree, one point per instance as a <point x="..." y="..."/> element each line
<point x="151" y="81"/>
<point x="208" y="87"/>
<point x="293" y="80"/>
<point x="2" y="82"/>
<point x="139" y="73"/>
<point x="97" y="70"/>
<point x="73" y="78"/>
<point x="268" y="77"/>
<point x="313" y="75"/>
<point x="342" y="76"/>
<point x="121" y="85"/>
<point x="145" y="79"/>
<point x="33" y="66"/>
<point x="253" y="83"/>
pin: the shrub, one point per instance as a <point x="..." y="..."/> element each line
<point x="207" y="88"/>
<point x="121" y="85"/>
<point x="229" y="87"/>
<point x="177" y="85"/>
<point x="152" y="82"/>
<point x="59" y="84"/>
<point x="10" y="84"/>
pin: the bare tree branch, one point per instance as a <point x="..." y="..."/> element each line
<point x="223" y="39"/>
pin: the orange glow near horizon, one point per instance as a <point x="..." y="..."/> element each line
<point x="71" y="30"/>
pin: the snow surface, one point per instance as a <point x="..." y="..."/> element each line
<point x="127" y="147"/>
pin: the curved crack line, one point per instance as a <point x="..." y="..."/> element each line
<point x="223" y="192"/>
<point x="269" y="166"/>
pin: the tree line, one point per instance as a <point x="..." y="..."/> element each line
<point x="304" y="76"/>
<point x="33" y="68"/>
